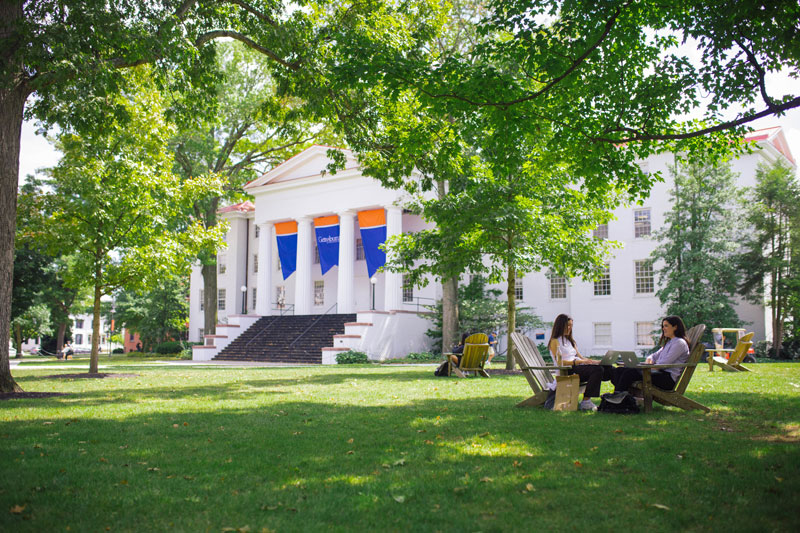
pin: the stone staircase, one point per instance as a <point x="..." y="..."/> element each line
<point x="286" y="339"/>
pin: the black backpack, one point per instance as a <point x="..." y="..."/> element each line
<point x="443" y="370"/>
<point x="620" y="403"/>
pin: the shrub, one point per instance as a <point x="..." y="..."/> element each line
<point x="169" y="347"/>
<point x="352" y="358"/>
<point x="421" y="356"/>
<point x="118" y="350"/>
<point x="761" y="348"/>
<point x="186" y="354"/>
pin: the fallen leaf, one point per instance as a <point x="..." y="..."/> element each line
<point x="660" y="506"/>
<point x="529" y="487"/>
<point x="617" y="431"/>
<point x="153" y="469"/>
<point x="103" y="460"/>
<point x="350" y="452"/>
<point x="349" y="441"/>
<point x="399" y="462"/>
<point x="186" y="423"/>
<point x="459" y="490"/>
<point x="188" y="478"/>
<point x="679" y="456"/>
<point x="123" y="446"/>
<point x="229" y="460"/>
<point x="123" y="482"/>
<point x="779" y="479"/>
<point x="47" y="423"/>
<point x="174" y="425"/>
<point x="484" y="434"/>
<point x="486" y="479"/>
<point x="399" y="499"/>
<point x="428" y="441"/>
<point x="578" y="464"/>
<point x="422" y="431"/>
<point x="17" y="509"/>
<point x="516" y="464"/>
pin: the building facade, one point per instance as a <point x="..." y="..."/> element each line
<point x="299" y="197"/>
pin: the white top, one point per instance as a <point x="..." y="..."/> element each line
<point x="567" y="350"/>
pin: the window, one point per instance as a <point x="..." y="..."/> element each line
<point x="200" y="334"/>
<point x="316" y="253"/>
<point x="602" y="285"/>
<point x="255" y="263"/>
<point x="78" y="338"/>
<point x="319" y="292"/>
<point x="359" y="250"/>
<point x="518" y="294"/>
<point x="644" y="333"/>
<point x="601" y="232"/>
<point x="221" y="263"/>
<point x="78" y="323"/>
<point x="602" y="333"/>
<point x="408" y="290"/>
<point x="131" y="336"/>
<point x="558" y="287"/>
<point x="643" y="271"/>
<point x="221" y="300"/>
<point x="89" y="338"/>
<point x="254" y="299"/>
<point x="280" y="296"/>
<point x="202" y="300"/>
<point x="641" y="222"/>
<point x="277" y="263"/>
<point x="258" y="230"/>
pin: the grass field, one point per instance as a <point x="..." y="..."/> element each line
<point x="179" y="448"/>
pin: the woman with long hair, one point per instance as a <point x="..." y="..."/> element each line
<point x="565" y="353"/>
<point x="674" y="349"/>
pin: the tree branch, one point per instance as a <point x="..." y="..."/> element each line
<point x="253" y="11"/>
<point x="216" y="34"/>
<point x="751" y="58"/>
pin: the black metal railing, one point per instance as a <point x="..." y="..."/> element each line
<point x="314" y="323"/>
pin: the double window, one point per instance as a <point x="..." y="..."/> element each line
<point x="602" y="333"/>
<point x="319" y="292"/>
<point x="644" y="334"/>
<point x="518" y="292"/>
<point x="408" y="290"/>
<point x="221" y="300"/>
<point x="601" y="232"/>
<point x="558" y="287"/>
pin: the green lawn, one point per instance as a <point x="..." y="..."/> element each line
<point x="389" y="448"/>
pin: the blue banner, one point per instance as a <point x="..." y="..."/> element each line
<point x="327" y="232"/>
<point x="286" y="234"/>
<point x="373" y="234"/>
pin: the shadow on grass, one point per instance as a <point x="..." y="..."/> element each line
<point x="446" y="464"/>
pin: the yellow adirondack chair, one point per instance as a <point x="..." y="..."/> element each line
<point x="476" y="351"/>
<point x="734" y="362"/>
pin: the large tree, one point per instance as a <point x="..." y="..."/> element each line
<point x="696" y="257"/>
<point x="770" y="262"/>
<point x="254" y="128"/>
<point x="116" y="204"/>
<point x="158" y="314"/>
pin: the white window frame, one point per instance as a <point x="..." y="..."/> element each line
<point x="601" y="232"/>
<point x="255" y="300"/>
<point x="641" y="281"/>
<point x="222" y="263"/>
<point x="257" y="230"/>
<point x="255" y="263"/>
<point x="519" y="290"/>
<point x="642" y="222"/>
<point x="202" y="300"/>
<point x="221" y="296"/>
<point x="360" y="250"/>
<point x="605" y="280"/>
<point x="408" y="290"/>
<point x="319" y="292"/>
<point x="602" y="339"/>
<point x="640" y="333"/>
<point x="555" y="282"/>
<point x="280" y="296"/>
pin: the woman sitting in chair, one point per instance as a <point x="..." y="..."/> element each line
<point x="674" y="349"/>
<point x="565" y="353"/>
<point x="457" y="350"/>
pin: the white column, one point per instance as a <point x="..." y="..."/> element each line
<point x="346" y="302"/>
<point x="393" y="281"/>
<point x="264" y="287"/>
<point x="302" y="280"/>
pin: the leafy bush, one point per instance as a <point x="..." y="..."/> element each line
<point x="169" y="347"/>
<point x="118" y="350"/>
<point x="421" y="356"/>
<point x="186" y="354"/>
<point x="352" y="358"/>
<point x="761" y="348"/>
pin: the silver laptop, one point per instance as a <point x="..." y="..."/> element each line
<point x="612" y="356"/>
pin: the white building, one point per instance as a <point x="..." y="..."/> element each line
<point x="619" y="311"/>
<point x="81" y="335"/>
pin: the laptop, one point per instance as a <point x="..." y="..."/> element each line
<point x="629" y="359"/>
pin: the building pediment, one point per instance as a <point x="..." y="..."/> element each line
<point x="311" y="163"/>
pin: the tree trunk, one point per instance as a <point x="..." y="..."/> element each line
<point x="12" y="102"/>
<point x="95" y="357"/>
<point x="210" y="299"/>
<point x="18" y="340"/>
<point x="62" y="330"/>
<point x="449" y="313"/>
<point x="512" y="313"/>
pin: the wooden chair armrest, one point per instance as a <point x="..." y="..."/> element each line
<point x="545" y="367"/>
<point x="666" y="365"/>
<point x="720" y="349"/>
